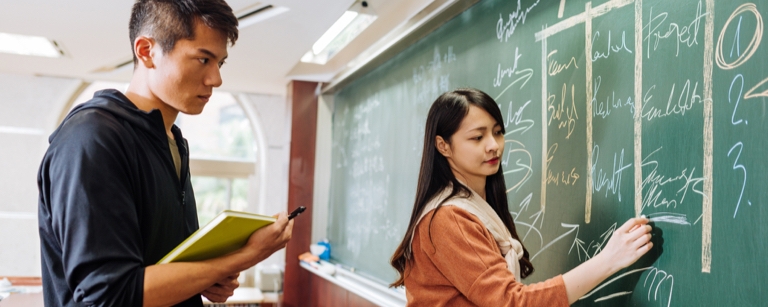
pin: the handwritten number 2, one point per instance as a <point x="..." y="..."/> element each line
<point x="738" y="99"/>
<point x="742" y="168"/>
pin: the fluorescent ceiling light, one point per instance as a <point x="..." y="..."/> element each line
<point x="259" y="15"/>
<point x="333" y="31"/>
<point x="343" y="31"/>
<point x="29" y="45"/>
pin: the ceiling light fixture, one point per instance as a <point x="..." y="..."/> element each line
<point x="341" y="33"/>
<point x="29" y="45"/>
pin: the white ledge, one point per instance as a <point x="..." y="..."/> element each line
<point x="370" y="290"/>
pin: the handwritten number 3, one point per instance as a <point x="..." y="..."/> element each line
<point x="742" y="168"/>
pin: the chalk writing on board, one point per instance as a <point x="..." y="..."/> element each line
<point x="612" y="280"/>
<point x="594" y="247"/>
<point x="517" y="120"/>
<point x="677" y="104"/>
<point x="609" y="49"/>
<point x="654" y="280"/>
<point x="507" y="71"/>
<point x="566" y="177"/>
<point x="738" y="99"/>
<point x="364" y="155"/>
<point x="523" y="76"/>
<point x="659" y="278"/>
<point x="604" y="108"/>
<point x="669" y="217"/>
<point x="655" y="182"/>
<point x="555" y="68"/>
<point x="753" y="43"/>
<point x="505" y="29"/>
<point x="367" y="199"/>
<point x="739" y="167"/>
<point x="565" y="115"/>
<point x="431" y="79"/>
<point x="601" y="179"/>
<point x="530" y="222"/>
<point x="571" y="228"/>
<point x="686" y="35"/>
<point x="520" y="170"/>
<point x="582" y="249"/>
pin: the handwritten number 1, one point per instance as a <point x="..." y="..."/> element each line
<point x="739" y="166"/>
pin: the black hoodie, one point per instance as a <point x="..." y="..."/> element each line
<point x="110" y="203"/>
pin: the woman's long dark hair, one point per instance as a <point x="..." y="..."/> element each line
<point x="443" y="119"/>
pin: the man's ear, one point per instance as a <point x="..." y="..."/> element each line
<point x="442" y="146"/>
<point x="142" y="47"/>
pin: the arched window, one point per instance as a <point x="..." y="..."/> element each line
<point x="223" y="155"/>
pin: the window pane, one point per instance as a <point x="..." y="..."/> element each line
<point x="211" y="195"/>
<point x="239" y="195"/>
<point x="221" y="131"/>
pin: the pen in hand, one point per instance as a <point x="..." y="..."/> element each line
<point x="296" y="212"/>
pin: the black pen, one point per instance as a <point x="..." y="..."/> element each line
<point x="296" y="212"/>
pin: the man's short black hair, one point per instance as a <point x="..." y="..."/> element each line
<point x="168" y="21"/>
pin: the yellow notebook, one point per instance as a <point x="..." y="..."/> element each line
<point x="226" y="233"/>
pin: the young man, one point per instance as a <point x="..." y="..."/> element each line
<point x="115" y="192"/>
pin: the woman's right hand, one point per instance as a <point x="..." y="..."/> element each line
<point x="628" y="243"/>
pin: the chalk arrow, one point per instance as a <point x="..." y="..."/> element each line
<point x="606" y="235"/>
<point x="523" y="206"/>
<point x="579" y="248"/>
<point x="527" y="201"/>
<point x="573" y="227"/>
<point x="535" y="218"/>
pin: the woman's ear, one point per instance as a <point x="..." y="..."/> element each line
<point x="442" y="146"/>
<point x="142" y="48"/>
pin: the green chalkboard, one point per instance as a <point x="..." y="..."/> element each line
<point x="612" y="109"/>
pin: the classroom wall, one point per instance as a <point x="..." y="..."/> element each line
<point x="30" y="107"/>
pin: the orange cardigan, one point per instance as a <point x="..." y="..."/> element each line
<point x="462" y="266"/>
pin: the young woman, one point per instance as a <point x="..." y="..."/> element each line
<point x="461" y="247"/>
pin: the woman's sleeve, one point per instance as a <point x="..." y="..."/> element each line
<point x="463" y="250"/>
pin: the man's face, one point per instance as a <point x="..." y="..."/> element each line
<point x="184" y="78"/>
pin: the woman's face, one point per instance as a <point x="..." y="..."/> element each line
<point x="474" y="151"/>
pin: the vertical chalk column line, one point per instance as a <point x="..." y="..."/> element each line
<point x="706" y="225"/>
<point x="543" y="120"/>
<point x="588" y="50"/>
<point x="638" y="137"/>
<point x="561" y="10"/>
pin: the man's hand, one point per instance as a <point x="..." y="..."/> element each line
<point x="265" y="241"/>
<point x="222" y="290"/>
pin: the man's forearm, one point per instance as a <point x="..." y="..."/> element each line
<point x="168" y="284"/>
